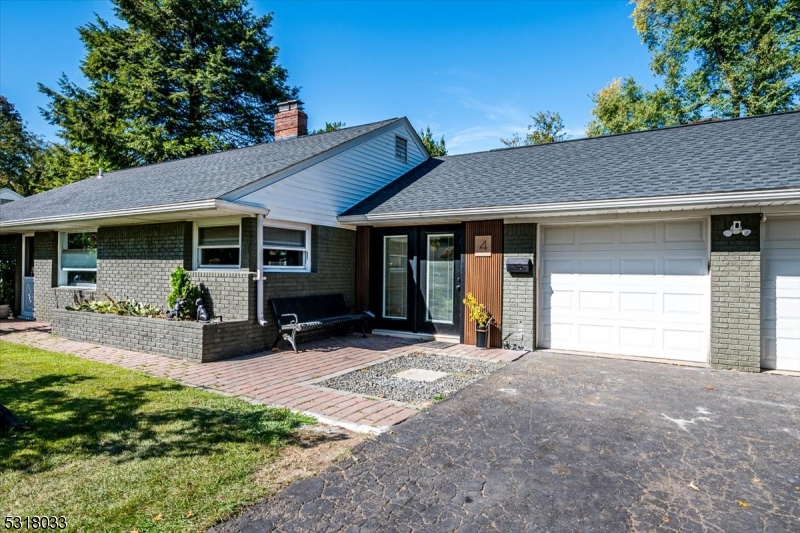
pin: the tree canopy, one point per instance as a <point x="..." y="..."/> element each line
<point x="21" y="152"/>
<point x="716" y="58"/>
<point x="547" y="127"/>
<point x="181" y="78"/>
<point x="330" y="126"/>
<point x="435" y="148"/>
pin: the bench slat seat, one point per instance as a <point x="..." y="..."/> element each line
<point x="310" y="313"/>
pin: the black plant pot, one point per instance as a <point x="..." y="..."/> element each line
<point x="481" y="338"/>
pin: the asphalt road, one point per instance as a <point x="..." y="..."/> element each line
<point x="563" y="443"/>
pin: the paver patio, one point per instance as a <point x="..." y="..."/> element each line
<point x="281" y="378"/>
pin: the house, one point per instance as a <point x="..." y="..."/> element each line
<point x="676" y="244"/>
<point x="7" y="195"/>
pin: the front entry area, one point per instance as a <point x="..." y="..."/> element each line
<point x="639" y="289"/>
<point x="416" y="284"/>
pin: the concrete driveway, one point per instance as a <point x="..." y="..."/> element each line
<point x="562" y="443"/>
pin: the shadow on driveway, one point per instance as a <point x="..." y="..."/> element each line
<point x="563" y="443"/>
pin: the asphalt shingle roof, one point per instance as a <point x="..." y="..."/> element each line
<point x="755" y="153"/>
<point x="186" y="180"/>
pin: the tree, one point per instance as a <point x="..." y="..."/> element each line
<point x="716" y="59"/>
<point x="182" y="78"/>
<point x="435" y="148"/>
<point x="547" y="127"/>
<point x="624" y="105"/>
<point x="730" y="59"/>
<point x="21" y="153"/>
<point x="330" y="126"/>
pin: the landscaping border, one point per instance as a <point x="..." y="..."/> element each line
<point x="196" y="341"/>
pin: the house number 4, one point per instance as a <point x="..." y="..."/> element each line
<point x="483" y="246"/>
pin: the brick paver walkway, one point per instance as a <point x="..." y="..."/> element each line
<point x="281" y="378"/>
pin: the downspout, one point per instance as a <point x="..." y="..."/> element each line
<point x="259" y="279"/>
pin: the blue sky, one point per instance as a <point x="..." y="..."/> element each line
<point x="472" y="71"/>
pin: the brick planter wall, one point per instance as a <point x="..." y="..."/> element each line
<point x="736" y="294"/>
<point x="519" y="290"/>
<point x="179" y="339"/>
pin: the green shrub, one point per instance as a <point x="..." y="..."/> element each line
<point x="182" y="287"/>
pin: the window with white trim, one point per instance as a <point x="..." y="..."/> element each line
<point x="218" y="246"/>
<point x="78" y="259"/>
<point x="287" y="248"/>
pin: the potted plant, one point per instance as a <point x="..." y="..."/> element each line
<point x="482" y="319"/>
<point x="6" y="287"/>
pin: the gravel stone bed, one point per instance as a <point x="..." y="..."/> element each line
<point x="379" y="380"/>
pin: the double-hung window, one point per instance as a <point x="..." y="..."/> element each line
<point x="78" y="259"/>
<point x="218" y="246"/>
<point x="287" y="248"/>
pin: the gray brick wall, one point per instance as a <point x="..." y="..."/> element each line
<point x="230" y="295"/>
<point x="736" y="295"/>
<point x="136" y="261"/>
<point x="333" y="257"/>
<point x="519" y="290"/>
<point x="45" y="273"/>
<point x="11" y="251"/>
<point x="179" y="339"/>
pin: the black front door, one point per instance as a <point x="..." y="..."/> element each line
<point x="417" y="278"/>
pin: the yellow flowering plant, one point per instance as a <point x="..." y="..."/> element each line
<point x="477" y="311"/>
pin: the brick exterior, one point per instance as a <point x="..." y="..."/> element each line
<point x="333" y="256"/>
<point x="519" y="290"/>
<point x="736" y="294"/>
<point x="179" y="339"/>
<point x="11" y="251"/>
<point x="136" y="261"/>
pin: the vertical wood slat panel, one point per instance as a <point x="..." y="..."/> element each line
<point x="362" y="268"/>
<point x="484" y="278"/>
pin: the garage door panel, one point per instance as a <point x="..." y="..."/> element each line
<point x="780" y="294"/>
<point x="688" y="231"/>
<point x="638" y="234"/>
<point x="618" y="288"/>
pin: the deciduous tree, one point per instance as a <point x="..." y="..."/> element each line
<point x="547" y="127"/>
<point x="435" y="148"/>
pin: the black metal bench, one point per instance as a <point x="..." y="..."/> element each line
<point x="302" y="314"/>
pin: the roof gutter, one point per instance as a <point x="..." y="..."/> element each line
<point x="626" y="205"/>
<point x="138" y="211"/>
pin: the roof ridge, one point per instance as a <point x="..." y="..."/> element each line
<point x="698" y="123"/>
<point x="240" y="148"/>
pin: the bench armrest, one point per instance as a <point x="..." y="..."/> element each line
<point x="295" y="321"/>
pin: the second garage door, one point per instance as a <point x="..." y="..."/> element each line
<point x="639" y="289"/>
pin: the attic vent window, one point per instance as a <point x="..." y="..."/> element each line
<point x="401" y="149"/>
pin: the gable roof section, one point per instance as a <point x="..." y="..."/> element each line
<point x="183" y="181"/>
<point x="747" y="154"/>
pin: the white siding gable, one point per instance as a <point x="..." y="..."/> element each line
<point x="318" y="194"/>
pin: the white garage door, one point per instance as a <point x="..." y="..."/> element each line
<point x="780" y="294"/>
<point x="638" y="289"/>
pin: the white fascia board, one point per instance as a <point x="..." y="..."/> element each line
<point x="242" y="207"/>
<point x="149" y="210"/>
<point x="311" y="161"/>
<point x="626" y="205"/>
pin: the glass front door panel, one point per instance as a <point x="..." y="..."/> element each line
<point x="440" y="277"/>
<point x="395" y="276"/>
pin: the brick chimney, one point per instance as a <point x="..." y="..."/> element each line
<point x="290" y="120"/>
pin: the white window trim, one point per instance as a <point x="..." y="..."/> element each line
<point x="288" y="225"/>
<point x="62" y="279"/>
<point x="196" y="248"/>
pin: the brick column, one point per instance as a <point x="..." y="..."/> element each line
<point x="736" y="294"/>
<point x="519" y="290"/>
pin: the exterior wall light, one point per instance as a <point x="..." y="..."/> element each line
<point x="736" y="229"/>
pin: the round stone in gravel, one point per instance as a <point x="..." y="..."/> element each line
<point x="380" y="380"/>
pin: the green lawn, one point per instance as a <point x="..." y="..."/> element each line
<point x="116" y="450"/>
